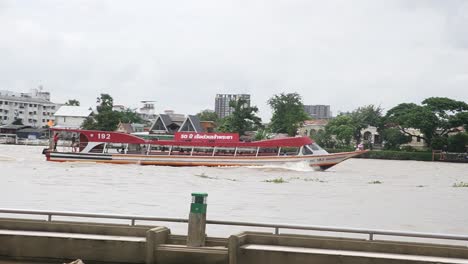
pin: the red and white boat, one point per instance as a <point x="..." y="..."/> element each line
<point x="194" y="149"/>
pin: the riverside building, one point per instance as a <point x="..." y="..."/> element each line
<point x="222" y="101"/>
<point x="34" y="108"/>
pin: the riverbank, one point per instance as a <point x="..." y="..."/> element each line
<point x="409" y="155"/>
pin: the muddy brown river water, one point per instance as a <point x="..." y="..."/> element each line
<point x="360" y="193"/>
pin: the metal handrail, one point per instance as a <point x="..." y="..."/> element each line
<point x="276" y="227"/>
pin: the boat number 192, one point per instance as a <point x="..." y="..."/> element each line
<point x="103" y="136"/>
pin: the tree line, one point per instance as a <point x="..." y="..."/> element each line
<point x="431" y="121"/>
<point x="435" y="118"/>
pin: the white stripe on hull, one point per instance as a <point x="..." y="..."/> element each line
<point x="313" y="160"/>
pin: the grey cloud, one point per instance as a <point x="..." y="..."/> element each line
<point x="181" y="53"/>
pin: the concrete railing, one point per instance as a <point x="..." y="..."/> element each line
<point x="133" y="218"/>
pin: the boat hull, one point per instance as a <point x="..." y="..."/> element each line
<point x="318" y="162"/>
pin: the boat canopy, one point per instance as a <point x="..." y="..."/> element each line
<point x="194" y="139"/>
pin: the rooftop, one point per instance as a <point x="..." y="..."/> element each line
<point x="77" y="111"/>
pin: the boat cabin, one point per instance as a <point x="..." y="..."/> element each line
<point x="194" y="144"/>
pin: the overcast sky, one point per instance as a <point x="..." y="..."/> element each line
<point x="181" y="53"/>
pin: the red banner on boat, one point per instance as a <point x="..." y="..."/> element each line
<point x="206" y="137"/>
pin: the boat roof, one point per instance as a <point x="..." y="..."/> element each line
<point x="221" y="139"/>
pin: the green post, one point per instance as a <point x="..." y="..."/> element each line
<point x="197" y="220"/>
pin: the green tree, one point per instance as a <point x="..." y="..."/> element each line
<point x="130" y="116"/>
<point x="394" y="138"/>
<point x="458" y="142"/>
<point x="324" y="139"/>
<point x="434" y="118"/>
<point x="106" y="103"/>
<point x="90" y="124"/>
<point x="73" y="102"/>
<point x="343" y="127"/>
<point x="18" y="122"/>
<point x="288" y="113"/>
<point x="106" y="119"/>
<point x="242" y="119"/>
<point x="208" y="115"/>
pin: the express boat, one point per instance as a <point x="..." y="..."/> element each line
<point x="193" y="149"/>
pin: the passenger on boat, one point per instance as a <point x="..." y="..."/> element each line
<point x="56" y="138"/>
<point x="73" y="143"/>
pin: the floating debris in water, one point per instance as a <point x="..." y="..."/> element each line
<point x="375" y="182"/>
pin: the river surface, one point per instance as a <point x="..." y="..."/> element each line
<point x="411" y="195"/>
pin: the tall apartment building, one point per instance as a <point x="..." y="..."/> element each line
<point x="34" y="108"/>
<point x="222" y="101"/>
<point x="318" y="111"/>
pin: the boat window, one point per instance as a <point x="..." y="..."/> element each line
<point x="181" y="150"/>
<point x="135" y="149"/>
<point x="200" y="151"/>
<point x="159" y="150"/>
<point x="268" y="152"/>
<point x="224" y="152"/>
<point x="289" y="151"/>
<point x="246" y="151"/>
<point x="314" y="146"/>
<point x="307" y="150"/>
<point x="115" y="148"/>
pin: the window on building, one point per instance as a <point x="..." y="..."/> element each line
<point x="418" y="139"/>
<point x="43" y="120"/>
<point x="64" y="119"/>
<point x="5" y="118"/>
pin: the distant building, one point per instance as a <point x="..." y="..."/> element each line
<point x="118" y="108"/>
<point x="416" y="142"/>
<point x="167" y="123"/>
<point x="208" y="126"/>
<point x="371" y="135"/>
<point x="34" y="108"/>
<point x="318" y="111"/>
<point x="170" y="124"/>
<point x="12" y="129"/>
<point x="147" y="112"/>
<point x="68" y="116"/>
<point x="222" y="101"/>
<point x="311" y="127"/>
<point x="130" y="128"/>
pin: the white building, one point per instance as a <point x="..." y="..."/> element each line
<point x="34" y="108"/>
<point x="71" y="116"/>
<point x="147" y="111"/>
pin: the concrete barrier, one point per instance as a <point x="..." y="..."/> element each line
<point x="57" y="242"/>
<point x="295" y="249"/>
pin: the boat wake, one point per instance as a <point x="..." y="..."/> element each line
<point x="7" y="158"/>
<point x="293" y="166"/>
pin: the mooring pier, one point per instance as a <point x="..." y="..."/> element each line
<point x="48" y="240"/>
